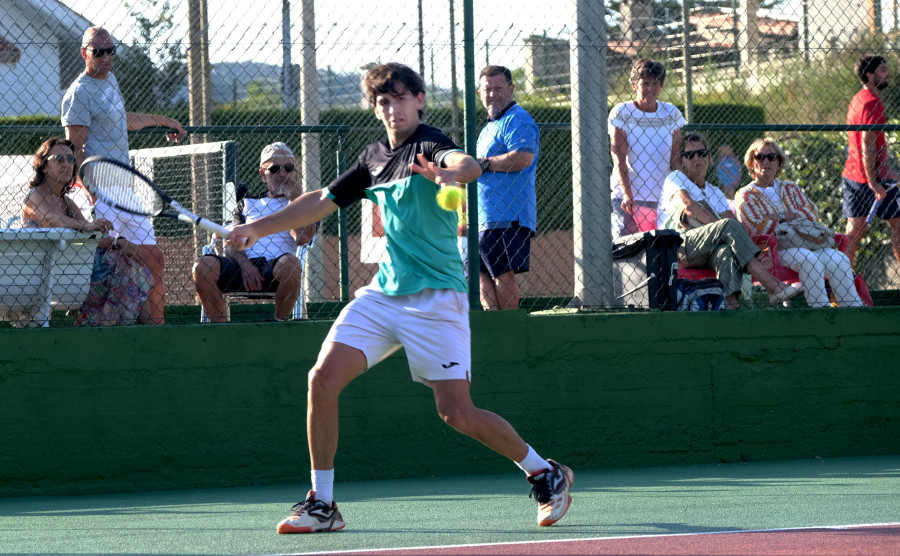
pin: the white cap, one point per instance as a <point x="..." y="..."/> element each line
<point x="271" y="151"/>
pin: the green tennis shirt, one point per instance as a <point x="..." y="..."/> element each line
<point x="421" y="236"/>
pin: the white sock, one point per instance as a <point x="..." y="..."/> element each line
<point x="533" y="463"/>
<point x="323" y="484"/>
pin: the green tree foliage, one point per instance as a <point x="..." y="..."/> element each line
<point x="262" y="95"/>
<point x="153" y="73"/>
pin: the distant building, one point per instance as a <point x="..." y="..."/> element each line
<point x="716" y="28"/>
<point x="9" y="53"/>
<point x="39" y="54"/>
<point x="713" y="37"/>
<point x="833" y="25"/>
<point x="637" y="19"/>
<point x="546" y="64"/>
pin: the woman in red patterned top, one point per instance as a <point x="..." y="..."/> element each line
<point x="767" y="201"/>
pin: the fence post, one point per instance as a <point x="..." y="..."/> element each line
<point x="590" y="158"/>
<point x="314" y="277"/>
<point x="471" y="139"/>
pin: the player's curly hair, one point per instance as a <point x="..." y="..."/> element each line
<point x="390" y="79"/>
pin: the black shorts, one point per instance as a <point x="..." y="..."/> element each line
<point x="501" y="250"/>
<point x="859" y="197"/>
<point x="231" y="280"/>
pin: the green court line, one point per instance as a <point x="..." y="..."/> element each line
<point x="462" y="510"/>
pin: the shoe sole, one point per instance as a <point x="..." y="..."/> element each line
<point x="570" y="480"/>
<point x="287" y="528"/>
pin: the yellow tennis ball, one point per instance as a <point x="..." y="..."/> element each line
<point x="449" y="198"/>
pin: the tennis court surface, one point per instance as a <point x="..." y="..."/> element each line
<point x="821" y="506"/>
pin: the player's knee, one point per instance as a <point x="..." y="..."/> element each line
<point x="460" y="418"/>
<point x="322" y="384"/>
<point x="288" y="270"/>
<point x="205" y="267"/>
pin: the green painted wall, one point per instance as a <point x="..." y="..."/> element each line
<point x="143" y="408"/>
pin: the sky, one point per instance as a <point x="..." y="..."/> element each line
<point x="350" y="33"/>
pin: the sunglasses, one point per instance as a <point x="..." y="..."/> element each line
<point x="275" y="168"/>
<point x="100" y="52"/>
<point x="702" y="153"/>
<point x="62" y="157"/>
<point x="771" y="157"/>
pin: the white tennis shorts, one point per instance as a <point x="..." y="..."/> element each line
<point x="431" y="325"/>
<point x="134" y="228"/>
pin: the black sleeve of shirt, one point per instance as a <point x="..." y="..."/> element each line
<point x="436" y="145"/>
<point x="350" y="186"/>
<point x="237" y="216"/>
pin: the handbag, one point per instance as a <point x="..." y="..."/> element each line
<point x="701" y="295"/>
<point x="804" y="233"/>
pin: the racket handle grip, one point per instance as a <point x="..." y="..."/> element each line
<point x="873" y="210"/>
<point x="211" y="226"/>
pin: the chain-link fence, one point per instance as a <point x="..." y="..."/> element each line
<point x="288" y="71"/>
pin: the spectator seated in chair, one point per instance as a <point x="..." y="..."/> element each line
<point x="766" y="201"/>
<point x="120" y="283"/>
<point x="270" y="265"/>
<point x="48" y="203"/>
<point x="712" y="237"/>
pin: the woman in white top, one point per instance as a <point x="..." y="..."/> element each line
<point x="712" y="237"/>
<point x="767" y="200"/>
<point x="644" y="136"/>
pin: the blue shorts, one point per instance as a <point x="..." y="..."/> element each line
<point x="501" y="250"/>
<point x="859" y="197"/>
<point x="230" y="279"/>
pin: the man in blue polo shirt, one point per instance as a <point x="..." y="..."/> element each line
<point x="507" y="204"/>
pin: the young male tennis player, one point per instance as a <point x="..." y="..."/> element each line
<point x="417" y="299"/>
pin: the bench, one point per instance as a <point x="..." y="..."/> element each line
<point x="42" y="269"/>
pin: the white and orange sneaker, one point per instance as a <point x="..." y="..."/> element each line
<point x="312" y="516"/>
<point x="550" y="489"/>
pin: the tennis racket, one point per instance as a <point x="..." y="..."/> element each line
<point x="877" y="203"/>
<point x="124" y="188"/>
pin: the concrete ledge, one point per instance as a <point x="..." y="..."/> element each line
<point x="147" y="408"/>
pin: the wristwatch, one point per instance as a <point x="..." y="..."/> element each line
<point x="485" y="164"/>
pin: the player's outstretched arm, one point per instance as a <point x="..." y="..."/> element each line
<point x="307" y="209"/>
<point x="460" y="168"/>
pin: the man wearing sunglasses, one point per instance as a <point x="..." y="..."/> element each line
<point x="270" y="264"/>
<point x="93" y="113"/>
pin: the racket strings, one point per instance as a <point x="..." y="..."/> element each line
<point x="121" y="188"/>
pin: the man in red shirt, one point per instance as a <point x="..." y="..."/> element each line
<point x="867" y="178"/>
